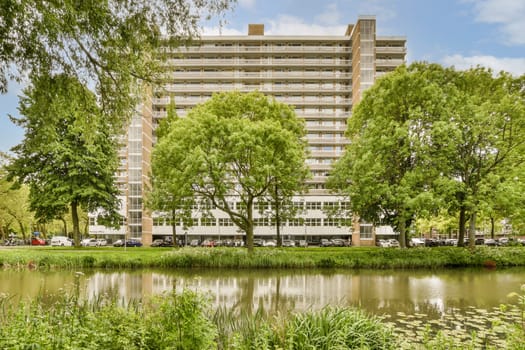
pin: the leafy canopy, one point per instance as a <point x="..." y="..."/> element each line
<point x="110" y="45"/>
<point x="233" y="147"/>
<point x="68" y="155"/>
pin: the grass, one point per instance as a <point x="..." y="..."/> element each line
<point x="186" y="321"/>
<point x="282" y="258"/>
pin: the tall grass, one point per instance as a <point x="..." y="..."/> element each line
<point x="291" y="258"/>
<point x="186" y="321"/>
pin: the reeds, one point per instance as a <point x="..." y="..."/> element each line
<point x="267" y="258"/>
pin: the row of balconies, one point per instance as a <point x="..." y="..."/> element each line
<point x="258" y="75"/>
<point x="320" y="141"/>
<point x="268" y="48"/>
<point x="180" y="101"/>
<point x="393" y="62"/>
<point x="277" y="88"/>
<point x="339" y="115"/>
<point x="257" y="62"/>
<point x="285" y="49"/>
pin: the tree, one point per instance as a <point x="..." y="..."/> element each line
<point x="110" y="45"/>
<point x="234" y="147"/>
<point x="387" y="169"/>
<point x="486" y="141"/>
<point x="176" y="201"/>
<point x="68" y="155"/>
<point x="426" y="138"/>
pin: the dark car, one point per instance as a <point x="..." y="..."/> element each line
<point x="127" y="243"/>
<point x="161" y="243"/>
<point x="326" y="243"/>
<point x="339" y="242"/>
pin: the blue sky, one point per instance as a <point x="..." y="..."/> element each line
<point x="460" y="33"/>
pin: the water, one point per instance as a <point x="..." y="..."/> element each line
<point x="379" y="292"/>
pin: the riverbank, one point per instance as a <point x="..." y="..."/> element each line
<point x="186" y="321"/>
<point x="238" y="258"/>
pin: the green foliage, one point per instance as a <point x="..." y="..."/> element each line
<point x="283" y="258"/>
<point x="176" y="321"/>
<point x="68" y="156"/>
<point x="427" y="138"/>
<point x="234" y="144"/>
<point x="109" y="45"/>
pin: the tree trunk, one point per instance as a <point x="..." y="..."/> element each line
<point x="491" y="227"/>
<point x="249" y="226"/>
<point x="472" y="230"/>
<point x="65" y="226"/>
<point x="174" y="228"/>
<point x="462" y="223"/>
<point x="76" y="228"/>
<point x="278" y="219"/>
<point x="402" y="232"/>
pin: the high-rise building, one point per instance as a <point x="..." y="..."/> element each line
<point x="321" y="76"/>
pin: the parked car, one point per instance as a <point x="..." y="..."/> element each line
<point x="88" y="242"/>
<point x="270" y="243"/>
<point x="288" y="243"/>
<point x="102" y="242"/>
<point x="383" y="243"/>
<point x="258" y="242"/>
<point x="325" y="243"/>
<point x="208" y="243"/>
<point x="127" y="243"/>
<point x="451" y="242"/>
<point x="61" y="241"/>
<point x="393" y="243"/>
<point x="417" y="242"/>
<point x="339" y="242"/>
<point x="194" y="243"/>
<point x="37" y="241"/>
<point x="160" y="243"/>
<point x="503" y="241"/>
<point x="491" y="242"/>
<point x="303" y="243"/>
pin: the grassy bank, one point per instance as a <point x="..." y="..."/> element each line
<point x="296" y="258"/>
<point x="185" y="321"/>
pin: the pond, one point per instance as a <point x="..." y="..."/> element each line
<point x="379" y="292"/>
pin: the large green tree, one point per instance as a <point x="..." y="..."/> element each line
<point x="109" y="45"/>
<point x="486" y="138"/>
<point x="170" y="199"/>
<point x="14" y="208"/>
<point x="387" y="169"/>
<point x="425" y="138"/>
<point x="68" y="154"/>
<point x="234" y="147"/>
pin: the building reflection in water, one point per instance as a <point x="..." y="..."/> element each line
<point x="379" y="292"/>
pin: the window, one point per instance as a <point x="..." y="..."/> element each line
<point x="208" y="222"/>
<point x="365" y="231"/>
<point x="314" y="205"/>
<point x="225" y="222"/>
<point x="312" y="221"/>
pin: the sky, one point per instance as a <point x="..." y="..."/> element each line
<point x="459" y="33"/>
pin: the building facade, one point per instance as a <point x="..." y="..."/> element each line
<point x="321" y="76"/>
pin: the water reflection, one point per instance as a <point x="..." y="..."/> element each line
<point x="380" y="292"/>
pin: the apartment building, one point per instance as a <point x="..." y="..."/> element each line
<point x="321" y="76"/>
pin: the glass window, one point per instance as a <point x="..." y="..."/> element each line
<point x="365" y="231"/>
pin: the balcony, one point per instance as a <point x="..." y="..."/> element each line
<point x="391" y="49"/>
<point x="389" y="62"/>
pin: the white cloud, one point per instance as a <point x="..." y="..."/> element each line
<point x="515" y="66"/>
<point x="329" y="16"/>
<point x="290" y="25"/>
<point x="249" y="4"/>
<point x="509" y="14"/>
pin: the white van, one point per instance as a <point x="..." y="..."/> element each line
<point x="61" y="241"/>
